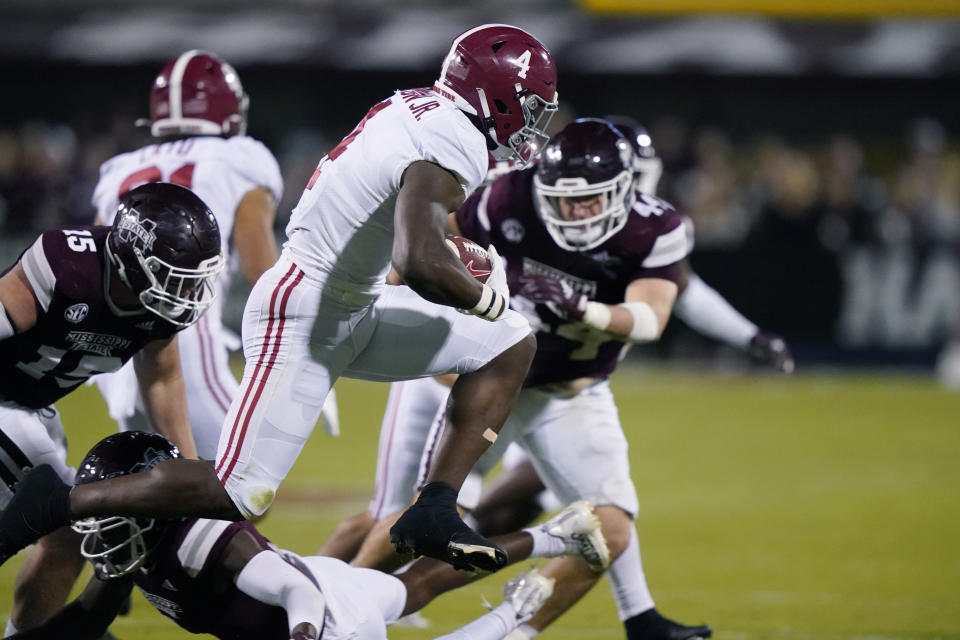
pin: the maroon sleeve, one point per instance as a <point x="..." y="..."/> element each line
<point x="471" y="214"/>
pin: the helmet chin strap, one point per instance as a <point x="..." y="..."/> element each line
<point x="487" y="120"/>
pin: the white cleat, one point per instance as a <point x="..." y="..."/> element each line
<point x="526" y="592"/>
<point x="579" y="528"/>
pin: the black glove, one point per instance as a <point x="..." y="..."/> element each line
<point x="771" y="349"/>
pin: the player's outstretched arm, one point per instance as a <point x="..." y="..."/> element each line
<point x="265" y="576"/>
<point x="428" y="194"/>
<point x="252" y="233"/>
<point x="707" y="312"/>
<point x="87" y="617"/>
<point x="164" y="398"/>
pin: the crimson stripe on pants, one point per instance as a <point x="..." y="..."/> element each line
<point x="263" y="353"/>
<point x="263" y="380"/>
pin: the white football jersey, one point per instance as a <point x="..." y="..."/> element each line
<point x="219" y="170"/>
<point x="342" y="228"/>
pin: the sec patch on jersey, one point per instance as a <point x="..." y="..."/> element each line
<point x="473" y="256"/>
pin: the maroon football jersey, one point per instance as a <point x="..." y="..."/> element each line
<point x="79" y="333"/>
<point x="182" y="582"/>
<point x="649" y="246"/>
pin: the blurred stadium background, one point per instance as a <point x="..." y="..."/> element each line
<point x="815" y="145"/>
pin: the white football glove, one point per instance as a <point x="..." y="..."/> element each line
<point x="498" y="275"/>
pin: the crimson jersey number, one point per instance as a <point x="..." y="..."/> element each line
<point x="182" y="176"/>
<point x="338" y="150"/>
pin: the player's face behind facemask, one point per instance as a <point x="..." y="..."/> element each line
<point x="165" y="248"/>
<point x="118" y="545"/>
<point x="584" y="184"/>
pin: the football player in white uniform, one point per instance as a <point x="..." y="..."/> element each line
<point x="198" y="113"/>
<point x="627" y="258"/>
<point x="380" y="197"/>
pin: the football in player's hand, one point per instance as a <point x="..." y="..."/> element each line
<point x="473" y="256"/>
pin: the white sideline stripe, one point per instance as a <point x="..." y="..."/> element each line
<point x="198" y="542"/>
<point x="39" y="273"/>
<point x="669" y="248"/>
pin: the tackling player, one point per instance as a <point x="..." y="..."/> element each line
<point x="381" y="196"/>
<point x="81" y="301"/>
<point x="225" y="579"/>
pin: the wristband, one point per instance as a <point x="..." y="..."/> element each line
<point x="490" y="306"/>
<point x="645" y="328"/>
<point x="597" y="315"/>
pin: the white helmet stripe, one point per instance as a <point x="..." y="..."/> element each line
<point x="176" y="83"/>
<point x="456" y="42"/>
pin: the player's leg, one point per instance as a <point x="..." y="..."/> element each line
<point x="347" y="538"/>
<point x="411" y="407"/>
<point x="598" y="470"/>
<point x="415" y="338"/>
<point x="29" y="438"/>
<point x="209" y="383"/>
<point x="511" y="500"/>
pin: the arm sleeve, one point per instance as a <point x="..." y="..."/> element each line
<point x="267" y="577"/>
<point x="707" y="312"/>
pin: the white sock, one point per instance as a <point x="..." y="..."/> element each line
<point x="627" y="581"/>
<point x="10" y="630"/>
<point x="523" y="632"/>
<point x="490" y="626"/>
<point x="544" y="544"/>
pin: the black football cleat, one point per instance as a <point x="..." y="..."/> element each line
<point x="40" y="505"/>
<point x="433" y="528"/>
<point x="650" y="625"/>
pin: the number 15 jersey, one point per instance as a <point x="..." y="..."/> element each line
<point x="79" y="332"/>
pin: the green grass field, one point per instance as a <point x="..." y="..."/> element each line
<point x="817" y="507"/>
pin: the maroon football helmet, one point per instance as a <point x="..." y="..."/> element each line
<point x="165" y="246"/>
<point x="590" y="159"/>
<point x="506" y="78"/>
<point x="647" y="166"/>
<point x="197" y="94"/>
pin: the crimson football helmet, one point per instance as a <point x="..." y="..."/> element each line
<point x="165" y="246"/>
<point x="647" y="167"/>
<point x="120" y="545"/>
<point x="197" y="94"/>
<point x="506" y="78"/>
<point x="589" y="159"/>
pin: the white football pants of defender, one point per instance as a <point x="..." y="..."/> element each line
<point x="579" y="450"/>
<point x="575" y="443"/>
<point x="30" y="437"/>
<point x="301" y="333"/>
